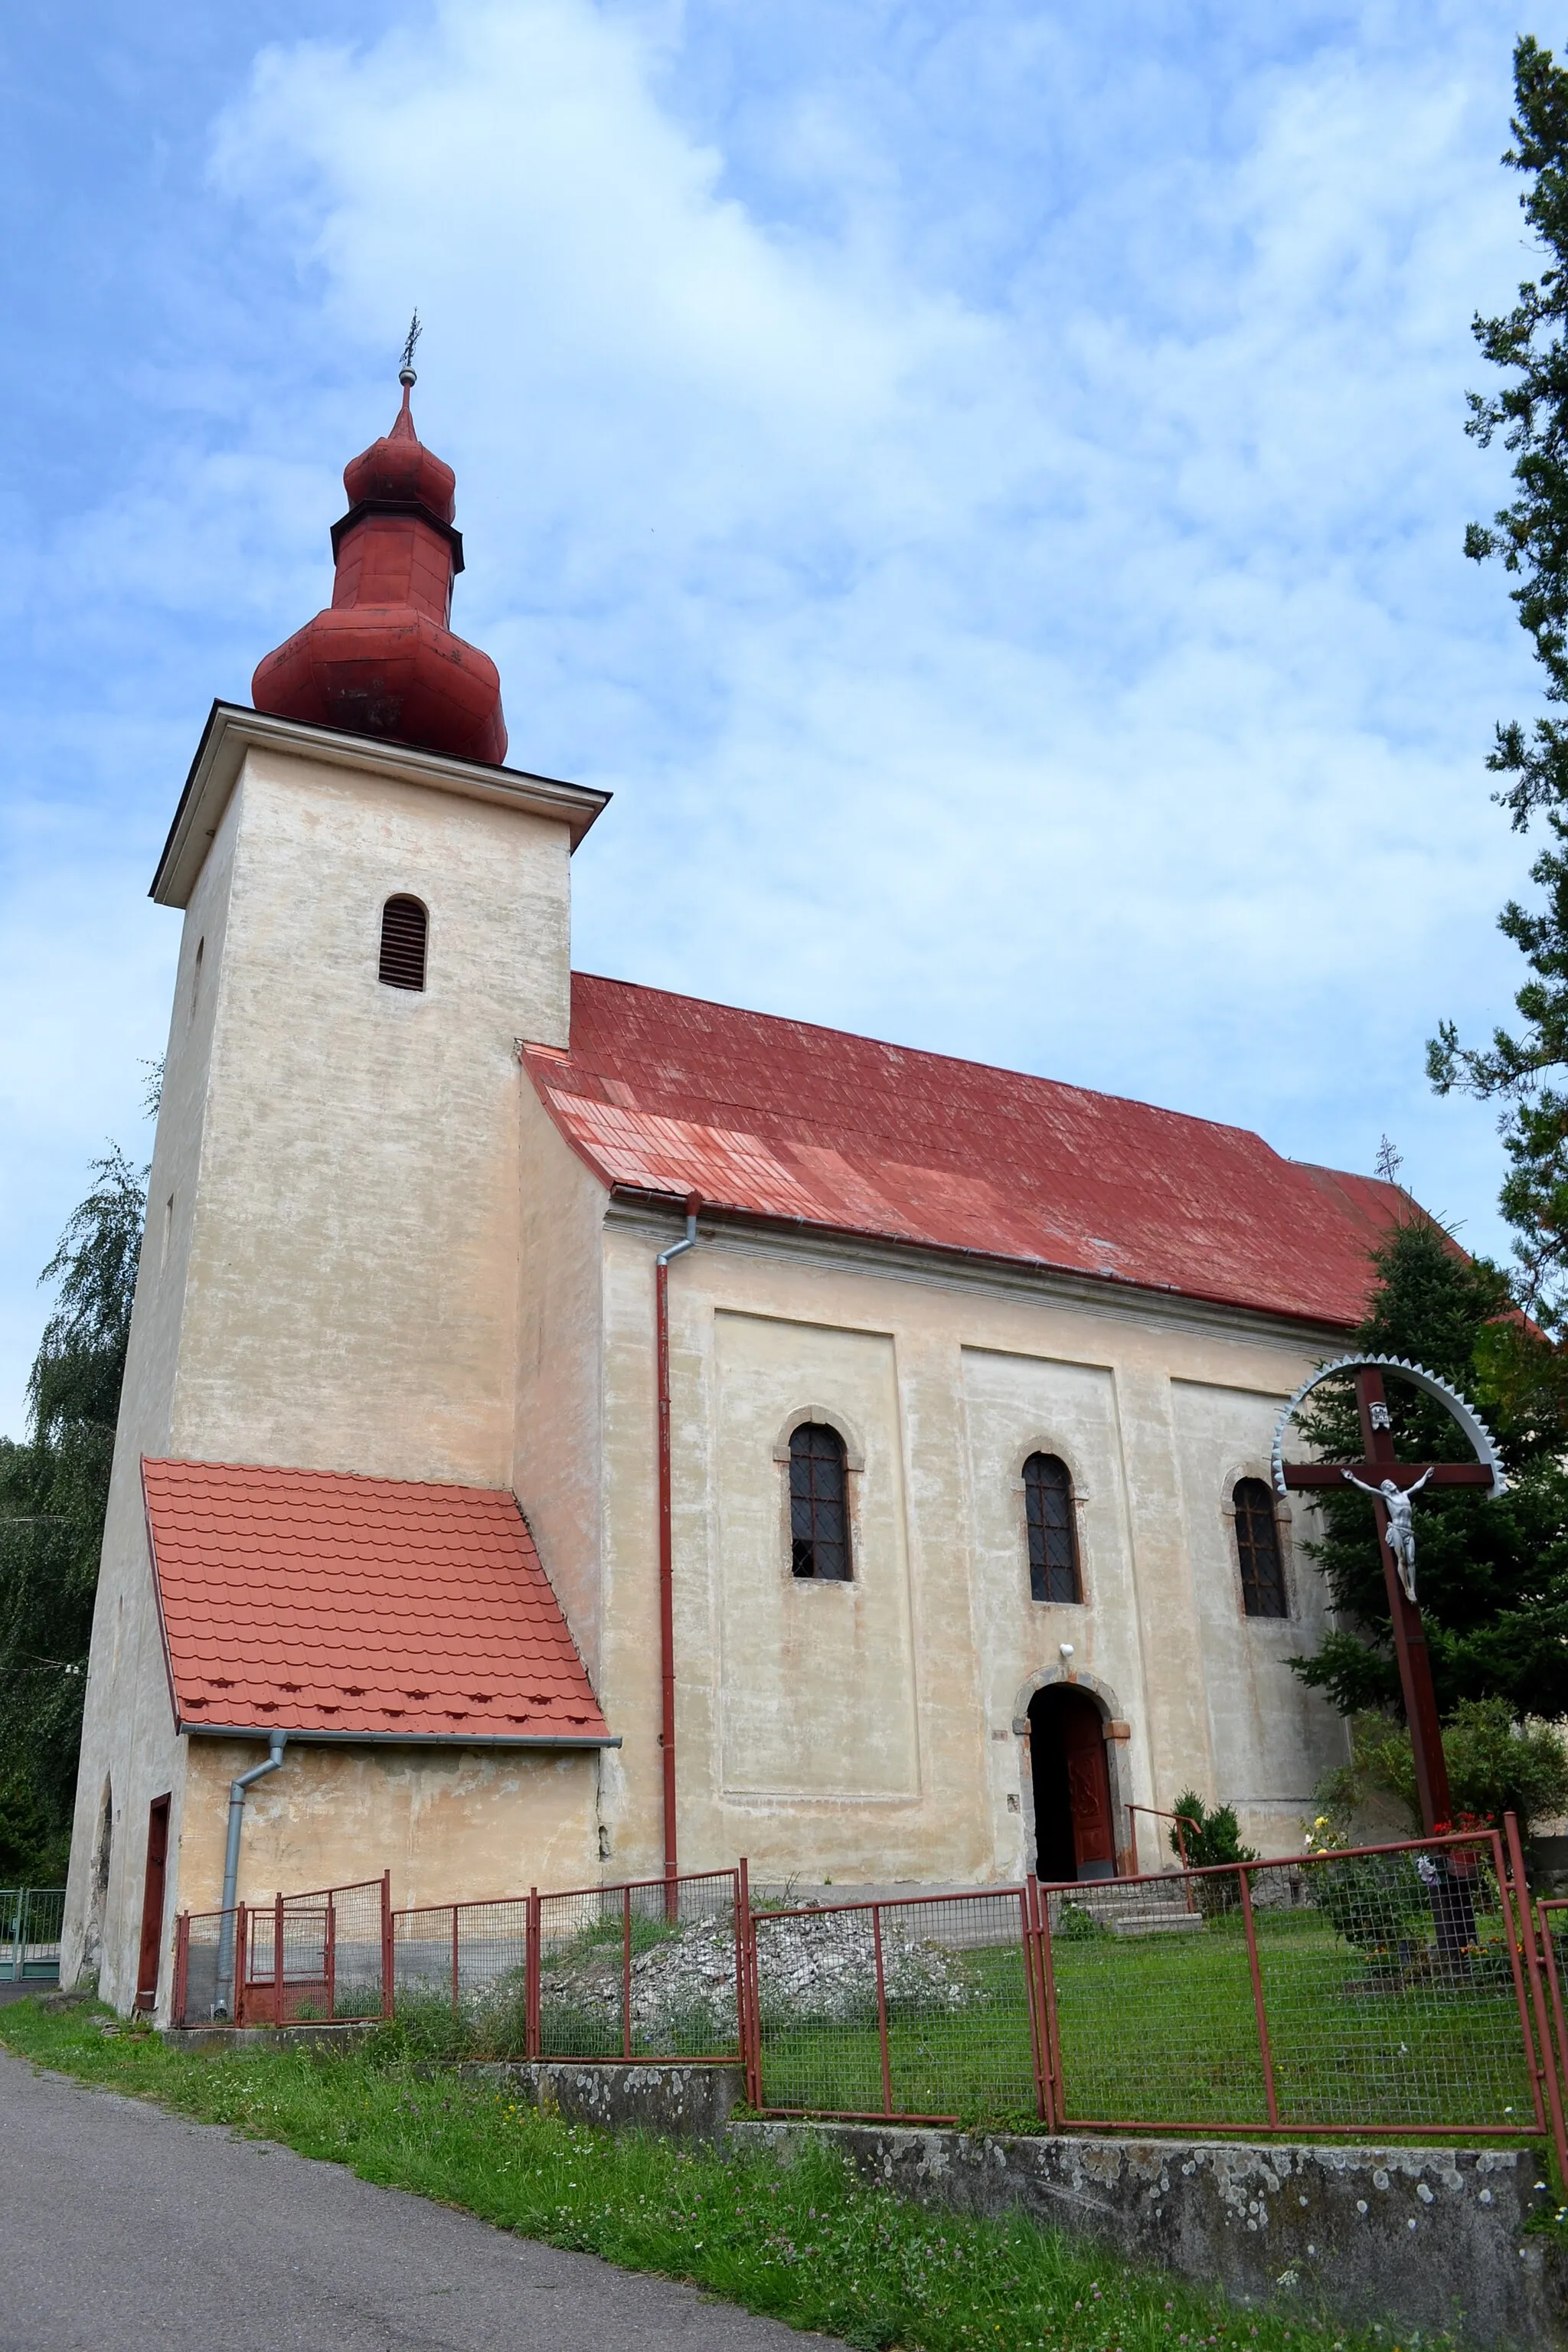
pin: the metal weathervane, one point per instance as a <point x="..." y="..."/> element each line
<point x="1392" y="1484"/>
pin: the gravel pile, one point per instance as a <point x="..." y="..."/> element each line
<point x="827" y="1966"/>
<point x="823" y="1966"/>
<point x="683" y="1989"/>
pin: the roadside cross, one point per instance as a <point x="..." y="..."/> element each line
<point x="1391" y="1484"/>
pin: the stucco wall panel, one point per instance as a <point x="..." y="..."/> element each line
<point x="1016" y="1406"/>
<point x="558" y="1446"/>
<point x="817" y="1679"/>
<point x="1273" y="1740"/>
<point x="128" y="1731"/>
<point x="631" y="1797"/>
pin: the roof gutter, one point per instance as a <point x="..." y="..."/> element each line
<point x="666" y="1548"/>
<point x="402" y="1739"/>
<point x="1165" y="1294"/>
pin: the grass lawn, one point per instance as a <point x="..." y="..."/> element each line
<point x="805" y="2242"/>
<point x="1162" y="2029"/>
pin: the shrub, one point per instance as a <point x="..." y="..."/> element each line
<point x="1497" y="1765"/>
<point x="1213" y="1837"/>
<point x="1371" y="1902"/>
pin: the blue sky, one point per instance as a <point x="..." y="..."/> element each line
<point x="984" y="490"/>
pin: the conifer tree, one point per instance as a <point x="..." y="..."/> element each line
<point x="54" y="1489"/>
<point x="1526" y="1070"/>
<point x="1492" y="1577"/>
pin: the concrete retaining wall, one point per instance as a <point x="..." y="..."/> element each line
<point x="1429" y="2238"/>
<point x="689" y="2103"/>
<point x="227" y="2040"/>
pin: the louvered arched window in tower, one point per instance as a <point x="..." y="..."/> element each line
<point x="1257" y="1550"/>
<point x="1053" y="1529"/>
<point x="404" y="927"/>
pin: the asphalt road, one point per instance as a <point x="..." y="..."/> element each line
<point x="126" y="2230"/>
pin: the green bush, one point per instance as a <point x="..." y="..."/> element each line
<point x="1497" y="1765"/>
<point x="1212" y="1837"/>
<point x="1374" y="1902"/>
<point x="1077" y="1926"/>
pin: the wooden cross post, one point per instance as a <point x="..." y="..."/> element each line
<point x="1409" y="1636"/>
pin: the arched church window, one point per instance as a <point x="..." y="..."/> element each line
<point x="1257" y="1550"/>
<point x="818" y="1503"/>
<point x="405" y="926"/>
<point x="1053" y="1530"/>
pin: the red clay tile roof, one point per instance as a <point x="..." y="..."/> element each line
<point x="307" y="1600"/>
<point x="780" y="1120"/>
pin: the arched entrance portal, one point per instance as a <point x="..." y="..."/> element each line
<point x="1074" y="1831"/>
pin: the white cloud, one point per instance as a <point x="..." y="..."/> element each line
<point x="986" y="491"/>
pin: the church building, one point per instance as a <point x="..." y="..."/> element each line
<point x="574" y="1431"/>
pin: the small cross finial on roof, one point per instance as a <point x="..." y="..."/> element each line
<point x="405" y="370"/>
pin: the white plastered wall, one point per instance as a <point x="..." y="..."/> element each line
<point x="129" y="1742"/>
<point x="1272" y="1738"/>
<point x="453" y="1824"/>
<point x="331" y="1277"/>
<point x="871" y="1736"/>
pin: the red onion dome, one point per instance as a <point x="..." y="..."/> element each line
<point x="399" y="469"/>
<point x="381" y="660"/>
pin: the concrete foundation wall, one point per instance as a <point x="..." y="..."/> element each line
<point x="1427" y="2238"/>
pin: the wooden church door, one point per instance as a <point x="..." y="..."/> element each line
<point x="1089" y="1788"/>
<point x="1074" y="1831"/>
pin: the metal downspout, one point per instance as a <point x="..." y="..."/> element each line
<point x="666" y="1553"/>
<point x="236" y="1789"/>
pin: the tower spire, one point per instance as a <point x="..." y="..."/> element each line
<point x="383" y="660"/>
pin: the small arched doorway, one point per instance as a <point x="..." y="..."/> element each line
<point x="1074" y="1829"/>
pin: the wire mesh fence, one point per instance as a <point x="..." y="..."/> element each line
<point x="1390" y="1997"/>
<point x="468" y="1962"/>
<point x="30" y="1922"/>
<point x="924" y="2008"/>
<point x="646" y="1971"/>
<point x="1365" y="1993"/>
<point x="1386" y="1990"/>
<point x="318" y="1958"/>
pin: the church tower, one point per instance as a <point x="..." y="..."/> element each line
<point x="376" y="916"/>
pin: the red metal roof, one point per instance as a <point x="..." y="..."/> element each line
<point x="780" y="1120"/>
<point x="307" y="1600"/>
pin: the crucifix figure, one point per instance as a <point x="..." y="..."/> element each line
<point x="1391" y="1484"/>
<point x="1399" y="1523"/>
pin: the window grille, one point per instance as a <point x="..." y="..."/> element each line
<point x="818" y="1503"/>
<point x="1053" y="1530"/>
<point x="1257" y="1550"/>
<point x="404" y="927"/>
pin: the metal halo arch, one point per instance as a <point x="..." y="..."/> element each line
<point x="1464" y="1413"/>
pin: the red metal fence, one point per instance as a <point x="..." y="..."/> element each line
<point x="309" y="1959"/>
<point x="1383" y="1991"/>
<point x="646" y="1971"/>
<point x="1408" y="1987"/>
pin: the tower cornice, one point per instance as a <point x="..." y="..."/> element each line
<point x="233" y="729"/>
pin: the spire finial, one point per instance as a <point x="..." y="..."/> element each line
<point x="405" y="375"/>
